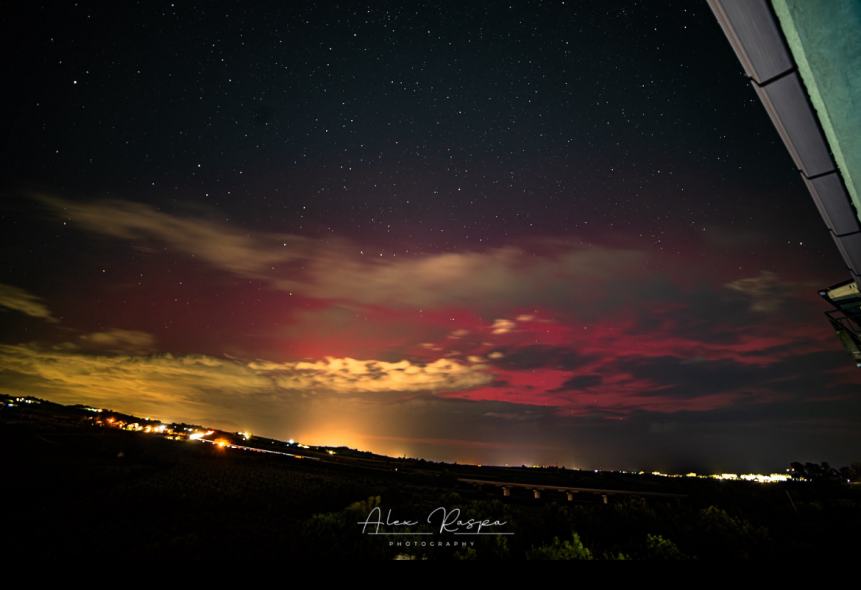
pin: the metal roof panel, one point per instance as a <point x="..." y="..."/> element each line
<point x="755" y="37"/>
<point x="788" y="107"/>
<point x="833" y="203"/>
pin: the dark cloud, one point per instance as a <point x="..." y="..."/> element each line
<point x="546" y="357"/>
<point x="579" y="382"/>
<point x="806" y="373"/>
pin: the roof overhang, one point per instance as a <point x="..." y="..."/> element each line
<point x="803" y="58"/>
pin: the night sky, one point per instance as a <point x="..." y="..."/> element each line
<point x="529" y="232"/>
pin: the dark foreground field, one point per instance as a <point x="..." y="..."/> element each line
<point x="73" y="490"/>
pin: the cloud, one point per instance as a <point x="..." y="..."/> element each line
<point x="133" y="381"/>
<point x="119" y="340"/>
<point x="563" y="273"/>
<point x="556" y="324"/>
<point x="502" y="326"/>
<point x="767" y="291"/>
<point x="540" y="356"/>
<point x="579" y="382"/>
<point x="21" y="301"/>
<point x="806" y="374"/>
<point x="364" y="403"/>
<point x="213" y="242"/>
<point x="547" y="272"/>
<point x="348" y="375"/>
<point x="158" y="384"/>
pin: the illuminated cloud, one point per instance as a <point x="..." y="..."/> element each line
<point x="119" y="340"/>
<point x="348" y="375"/>
<point x="549" y="272"/>
<point x="213" y="242"/>
<point x="767" y="291"/>
<point x="164" y="384"/>
<point x="183" y="383"/>
<point x="458" y="334"/>
<point x="563" y="274"/>
<point x="21" y="301"/>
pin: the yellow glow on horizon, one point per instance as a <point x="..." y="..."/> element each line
<point x="333" y="437"/>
